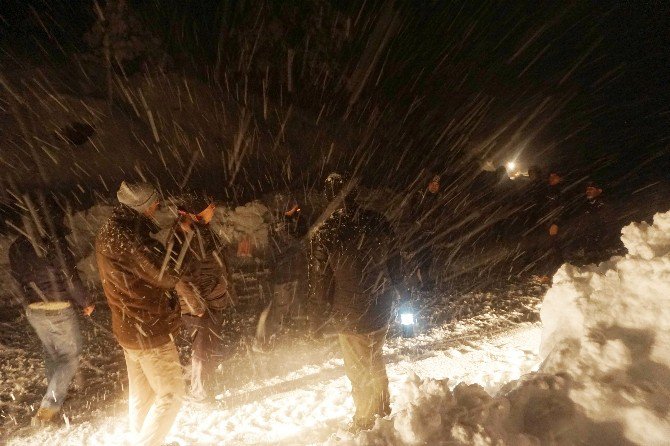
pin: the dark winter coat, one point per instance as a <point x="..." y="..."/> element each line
<point x="287" y="254"/>
<point x="144" y="314"/>
<point x="535" y="206"/>
<point x="425" y="212"/>
<point x="48" y="276"/>
<point x="203" y="266"/>
<point x="553" y="208"/>
<point x="354" y="266"/>
<point x="593" y="225"/>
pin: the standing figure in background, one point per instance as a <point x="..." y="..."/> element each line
<point x="425" y="218"/>
<point x="43" y="265"/>
<point x="552" y="219"/>
<point x="200" y="261"/>
<point x="354" y="271"/>
<point x="288" y="266"/>
<point x="592" y="233"/>
<point x="145" y="315"/>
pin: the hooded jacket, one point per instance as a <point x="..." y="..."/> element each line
<point x="144" y="313"/>
<point x="354" y="266"/>
<point x="287" y="254"/>
<point x="46" y="272"/>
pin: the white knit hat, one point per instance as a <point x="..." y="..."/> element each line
<point x="138" y="196"/>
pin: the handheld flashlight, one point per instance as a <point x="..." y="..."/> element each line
<point x="407" y="320"/>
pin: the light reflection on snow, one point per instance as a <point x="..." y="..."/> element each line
<point x="311" y="413"/>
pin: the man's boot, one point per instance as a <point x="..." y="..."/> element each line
<point x="45" y="416"/>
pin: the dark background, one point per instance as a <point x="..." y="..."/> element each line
<point x="576" y="85"/>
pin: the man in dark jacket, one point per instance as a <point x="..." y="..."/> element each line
<point x="43" y="265"/>
<point x="544" y="234"/>
<point x="288" y="265"/>
<point x="144" y="315"/>
<point x="553" y="219"/>
<point x="354" y="268"/>
<point x="198" y="258"/>
<point x="591" y="236"/>
<point x="425" y="217"/>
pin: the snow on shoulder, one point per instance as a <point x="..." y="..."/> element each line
<point x="605" y="376"/>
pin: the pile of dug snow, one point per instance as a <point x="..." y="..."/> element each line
<point x="608" y="327"/>
<point x="605" y="378"/>
<point x="231" y="224"/>
<point x="250" y="220"/>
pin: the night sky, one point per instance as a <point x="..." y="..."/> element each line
<point x="580" y="85"/>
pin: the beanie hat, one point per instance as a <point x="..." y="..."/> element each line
<point x="335" y="182"/>
<point x="137" y="196"/>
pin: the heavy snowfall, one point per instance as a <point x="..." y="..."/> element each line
<point x="513" y="158"/>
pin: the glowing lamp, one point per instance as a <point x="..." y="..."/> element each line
<point x="511" y="165"/>
<point x="407" y="318"/>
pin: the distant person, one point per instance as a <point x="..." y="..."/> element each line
<point x="425" y="219"/>
<point x="502" y="174"/>
<point x="554" y="203"/>
<point x="534" y="174"/>
<point x="200" y="261"/>
<point x="354" y="270"/>
<point x="145" y="316"/>
<point x="593" y="225"/>
<point x="534" y="194"/>
<point x="552" y="219"/>
<point x="288" y="268"/>
<point x="43" y="265"/>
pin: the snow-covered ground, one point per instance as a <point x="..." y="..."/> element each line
<point x="313" y="404"/>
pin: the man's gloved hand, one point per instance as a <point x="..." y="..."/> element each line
<point x="88" y="310"/>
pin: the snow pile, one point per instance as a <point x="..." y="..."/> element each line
<point x="608" y="327"/>
<point x="250" y="220"/>
<point x="84" y="226"/>
<point x="430" y="413"/>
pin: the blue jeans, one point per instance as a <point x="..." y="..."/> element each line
<point x="61" y="341"/>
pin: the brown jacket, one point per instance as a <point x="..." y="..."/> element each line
<point x="144" y="313"/>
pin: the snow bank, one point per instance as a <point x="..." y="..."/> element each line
<point x="430" y="413"/>
<point x="250" y="220"/>
<point x="605" y="378"/>
<point x="84" y="226"/>
<point x="608" y="327"/>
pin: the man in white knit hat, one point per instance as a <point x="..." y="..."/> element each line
<point x="145" y="315"/>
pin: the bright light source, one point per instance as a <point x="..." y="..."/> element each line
<point x="407" y="319"/>
<point x="511" y="165"/>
